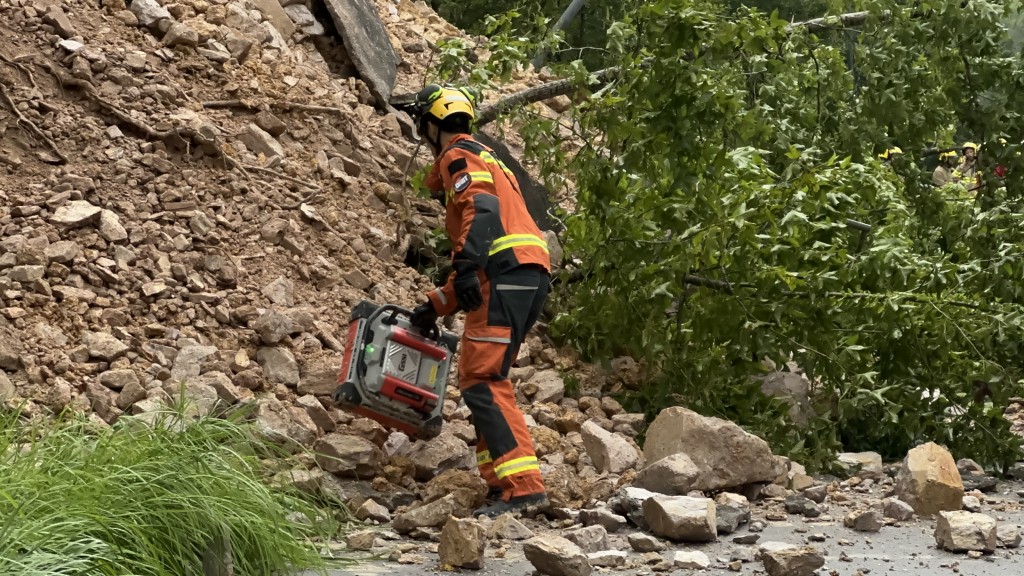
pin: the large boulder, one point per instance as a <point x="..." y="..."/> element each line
<point x="965" y="531"/>
<point x="726" y="455"/>
<point x="682" y="518"/>
<point x="929" y="481"/>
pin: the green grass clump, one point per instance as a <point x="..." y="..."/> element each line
<point x="144" y="499"/>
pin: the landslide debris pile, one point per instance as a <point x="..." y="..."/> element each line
<point x="194" y="195"/>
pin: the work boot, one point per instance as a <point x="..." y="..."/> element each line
<point x="529" y="504"/>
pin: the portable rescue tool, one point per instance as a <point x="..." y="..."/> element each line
<point x="392" y="373"/>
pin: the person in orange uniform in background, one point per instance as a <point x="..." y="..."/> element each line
<point x="501" y="279"/>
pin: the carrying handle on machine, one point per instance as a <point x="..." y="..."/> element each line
<point x="434" y="333"/>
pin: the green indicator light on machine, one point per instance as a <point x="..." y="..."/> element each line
<point x="370" y="348"/>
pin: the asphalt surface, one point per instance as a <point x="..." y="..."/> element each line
<point x="906" y="549"/>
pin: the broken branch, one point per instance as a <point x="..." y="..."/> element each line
<point x="30" y="126"/>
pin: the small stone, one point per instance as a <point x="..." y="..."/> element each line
<point x="278" y="365"/>
<point x="602" y="517"/>
<point x="431" y="515"/>
<point x="104" y="346"/>
<point x="589" y="539"/>
<point x="260" y="142"/>
<point x="816" y="494"/>
<point x="371" y="510"/>
<point x="792" y="561"/>
<point x="641" y="542"/>
<point x="362" y="540"/>
<point x="506" y="527"/>
<point x="1008" y="536"/>
<point x="271" y="124"/>
<point x="63" y="251"/>
<point x="27" y="274"/>
<point x="796" y="504"/>
<point x="556" y="556"/>
<point x="110" y="227"/>
<point x="694" y="560"/>
<point x="180" y="35"/>
<point x="280" y="292"/>
<point x="864" y="521"/>
<point x="747" y="539"/>
<point x="76" y="213"/>
<point x="357" y="279"/>
<point x="273" y="327"/>
<point x="149" y="12"/>
<point x="681" y="518"/>
<point x="346" y="455"/>
<point x="972" y="504"/>
<point x="463" y="541"/>
<point x="607" y="559"/>
<point x="118" y="379"/>
<point x="608" y="451"/>
<point x="897" y="509"/>
<point x="863" y="464"/>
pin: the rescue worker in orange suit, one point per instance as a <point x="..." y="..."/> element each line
<point x="501" y="279"/>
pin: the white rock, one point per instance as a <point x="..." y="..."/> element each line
<point x="682" y="518"/>
<point x="965" y="531"/>
<point x="607" y="559"/>
<point x="792" y="561"/>
<point x="149" y="12"/>
<point x="1008" y="536"/>
<point x="110" y="227"/>
<point x="608" y="451"/>
<point x="691" y="560"/>
<point x="76" y="213"/>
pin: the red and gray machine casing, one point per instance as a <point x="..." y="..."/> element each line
<point x="392" y="373"/>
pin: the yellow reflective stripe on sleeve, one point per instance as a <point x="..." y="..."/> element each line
<point x="516" y="466"/>
<point x="482" y="176"/>
<point x="513" y="240"/>
<point x="488" y="158"/>
<point x="483" y="458"/>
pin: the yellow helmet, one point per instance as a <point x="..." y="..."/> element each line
<point x="970" y="145"/>
<point x="948" y="155"/>
<point x="441" y="102"/>
<point x="894" y="151"/>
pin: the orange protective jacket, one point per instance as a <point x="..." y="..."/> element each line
<point x="486" y="217"/>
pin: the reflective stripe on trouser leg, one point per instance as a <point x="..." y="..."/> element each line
<point x="490" y="397"/>
<point x="485" y="464"/>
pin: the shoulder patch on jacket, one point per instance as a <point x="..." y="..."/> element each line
<point x="456" y="166"/>
<point x="462" y="182"/>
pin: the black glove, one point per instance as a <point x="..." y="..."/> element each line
<point x="467" y="290"/>
<point x="424" y="317"/>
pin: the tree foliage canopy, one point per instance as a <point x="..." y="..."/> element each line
<point x="721" y="165"/>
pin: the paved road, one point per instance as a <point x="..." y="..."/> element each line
<point x="908" y="549"/>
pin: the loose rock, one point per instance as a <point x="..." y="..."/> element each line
<point x="463" y="541"/>
<point x="725" y="454"/>
<point x="589" y="539"/>
<point x="694" y="560"/>
<point x="506" y="527"/>
<point x="347" y="455"/>
<point x="1008" y="536"/>
<point x="792" y="561"/>
<point x="682" y="518"/>
<point x="897" y="509"/>
<point x="431" y="515"/>
<point x="607" y="559"/>
<point x="609" y="452"/>
<point x="556" y="556"/>
<point x="963" y="531"/>
<point x="864" y="521"/>
<point x="929" y="481"/>
<point x="641" y="542"/>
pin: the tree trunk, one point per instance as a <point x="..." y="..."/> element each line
<point x="567" y="16"/>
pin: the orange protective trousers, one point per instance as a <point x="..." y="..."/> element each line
<point x="490" y="344"/>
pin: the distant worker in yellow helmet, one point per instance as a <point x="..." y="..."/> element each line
<point x="967" y="172"/>
<point x="891" y="154"/>
<point x="943" y="173"/>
